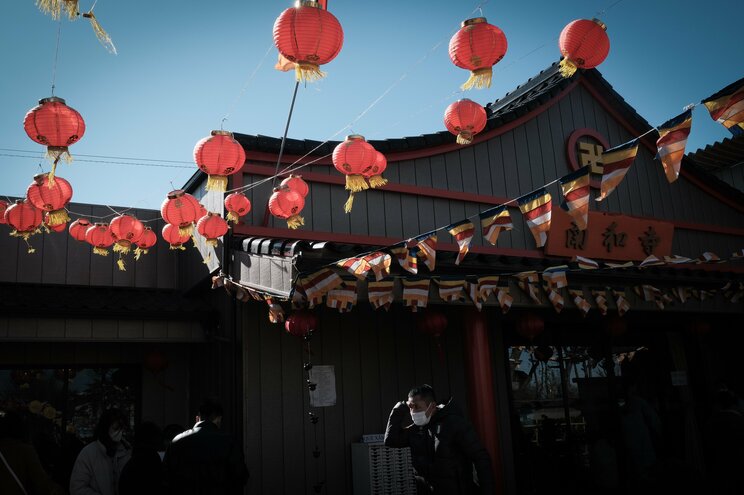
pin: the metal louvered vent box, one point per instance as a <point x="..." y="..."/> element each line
<point x="380" y="470"/>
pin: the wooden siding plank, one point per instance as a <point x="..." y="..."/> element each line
<point x="252" y="418"/>
<point x="533" y="156"/>
<point x="339" y="219"/>
<point x="467" y="167"/>
<point x="375" y="212"/>
<point x="496" y="167"/>
<point x="272" y="411"/>
<point x="320" y="198"/>
<point x="351" y="379"/>
<point x="370" y="356"/>
<point x="482" y="168"/>
<point x="454" y="172"/>
<point x="51" y="328"/>
<point x="293" y="390"/>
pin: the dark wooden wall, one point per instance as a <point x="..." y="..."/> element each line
<point x="378" y="357"/>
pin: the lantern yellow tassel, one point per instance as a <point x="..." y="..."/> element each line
<point x="186" y="230"/>
<point x="567" y="67"/>
<point x="232" y="217"/>
<point x="180" y="247"/>
<point x="54" y="8"/>
<point x="212" y="242"/>
<point x="208" y="258"/>
<point x="349" y="203"/>
<point x="102" y="35"/>
<point x="123" y="246"/>
<point x="216" y="183"/>
<point x="57" y="217"/>
<point x="464" y="137"/>
<point x="356" y="183"/>
<point x="121" y="265"/>
<point x="100" y="251"/>
<point x="479" y="78"/>
<point x="307" y="72"/>
<point x="377" y="181"/>
<point x="295" y="222"/>
<point x="139" y="252"/>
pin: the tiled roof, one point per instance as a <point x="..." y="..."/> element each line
<point x="723" y="154"/>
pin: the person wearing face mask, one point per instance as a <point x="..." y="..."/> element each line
<point x="444" y="445"/>
<point x="100" y="463"/>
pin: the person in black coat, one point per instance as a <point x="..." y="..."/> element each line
<point x="143" y="474"/>
<point x="444" y="445"/>
<point x="203" y="460"/>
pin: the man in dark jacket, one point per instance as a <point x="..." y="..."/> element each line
<point x="444" y="445"/>
<point x="203" y="460"/>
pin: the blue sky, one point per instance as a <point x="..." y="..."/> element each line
<point x="183" y="65"/>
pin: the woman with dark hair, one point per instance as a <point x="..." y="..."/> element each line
<point x="100" y="463"/>
<point x="143" y="474"/>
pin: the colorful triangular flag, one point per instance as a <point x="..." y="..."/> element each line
<point x="615" y="164"/>
<point x="379" y="262"/>
<point x="416" y="293"/>
<point x="622" y="304"/>
<point x="505" y="299"/>
<point x="451" y="290"/>
<point x="344" y="297"/>
<point x="575" y="188"/>
<point x="671" y="143"/>
<point x="487" y="285"/>
<point x="317" y="284"/>
<point x="601" y="300"/>
<point x="380" y="294"/>
<point x="528" y="282"/>
<point x="578" y="298"/>
<point x="585" y="263"/>
<point x="493" y="221"/>
<point x="727" y="107"/>
<point x="355" y="266"/>
<point x="427" y="245"/>
<point x="536" y="208"/>
<point x="463" y="233"/>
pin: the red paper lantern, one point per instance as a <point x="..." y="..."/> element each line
<point x="219" y="155"/>
<point x="309" y="36"/>
<point x="78" y="228"/>
<point x="155" y="362"/>
<point x="100" y="237"/>
<point x="295" y="183"/>
<point x="616" y="326"/>
<point x="287" y="204"/>
<point x="56" y="126"/>
<point x="126" y="230"/>
<point x="530" y="326"/>
<point x="211" y="227"/>
<point x="3" y="207"/>
<point x="432" y="322"/>
<point x="145" y="242"/>
<point x="60" y="227"/>
<point x="477" y="47"/>
<point x="182" y="210"/>
<point x="172" y="236"/>
<point x="374" y="174"/>
<point x="354" y="157"/>
<point x="236" y="205"/>
<point x="51" y="196"/>
<point x="584" y="44"/>
<point x="465" y="118"/>
<point x="25" y="219"/>
<point x="300" y="323"/>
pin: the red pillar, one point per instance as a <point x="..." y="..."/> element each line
<point x="481" y="392"/>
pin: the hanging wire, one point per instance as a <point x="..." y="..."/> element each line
<point x="56" y="54"/>
<point x="247" y="83"/>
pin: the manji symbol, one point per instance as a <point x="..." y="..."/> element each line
<point x="591" y="154"/>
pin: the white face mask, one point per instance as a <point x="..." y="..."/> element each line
<point x="420" y="418"/>
<point x="115" y="435"/>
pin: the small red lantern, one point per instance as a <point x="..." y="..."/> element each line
<point x="219" y="155"/>
<point x="354" y="157"/>
<point x="78" y="228"/>
<point x="211" y="227"/>
<point x="616" y="326"/>
<point x="25" y="219"/>
<point x="51" y="196"/>
<point x="236" y="205"/>
<point x="300" y="323"/>
<point x="100" y="237"/>
<point x="309" y="36"/>
<point x="172" y="236"/>
<point x="56" y="126"/>
<point x="155" y="362"/>
<point x="3" y="207"/>
<point x="295" y="183"/>
<point x="465" y="118"/>
<point x="287" y="204"/>
<point x="126" y="230"/>
<point x="433" y="323"/>
<point x="60" y="227"/>
<point x="145" y="242"/>
<point x="530" y="326"/>
<point x="477" y="47"/>
<point x="584" y="44"/>
<point x="182" y="210"/>
<point x="374" y="174"/>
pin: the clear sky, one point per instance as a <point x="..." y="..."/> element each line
<point x="182" y="65"/>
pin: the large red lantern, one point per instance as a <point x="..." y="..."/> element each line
<point x="465" y="118"/>
<point x="219" y="155"/>
<point x="295" y="183"/>
<point x="477" y="47"/>
<point x="56" y="126"/>
<point x="172" y="236"/>
<point x="3" y="207"/>
<point x="300" y="323"/>
<point x="145" y="242"/>
<point x="211" y="227"/>
<point x="287" y="204"/>
<point x="100" y="237"/>
<point x="236" y="205"/>
<point x="354" y="157"/>
<point x="25" y="219"/>
<point x="530" y="325"/>
<point x="374" y="174"/>
<point x="584" y="44"/>
<point x="309" y="36"/>
<point x="126" y="230"/>
<point x="51" y="196"/>
<point x="60" y="227"/>
<point x="78" y="228"/>
<point x="182" y="210"/>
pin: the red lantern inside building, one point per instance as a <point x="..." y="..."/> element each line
<point x="309" y="36"/>
<point x="51" y="196"/>
<point x="374" y="174"/>
<point x="354" y="157"/>
<point x="219" y="155"/>
<point x="25" y="219"/>
<point x="237" y="205"/>
<point x="78" y="228"/>
<point x="584" y="44"/>
<point x="211" y="227"/>
<point x="182" y="210"/>
<point x="60" y="227"/>
<point x="295" y="183"/>
<point x="145" y="242"/>
<point x="477" y="47"/>
<point x="616" y="326"/>
<point x="155" y="362"/>
<point x="433" y="323"/>
<point x="3" y="207"/>
<point x="100" y="237"/>
<point x="300" y="323"/>
<point x="126" y="230"/>
<point x="465" y="118"/>
<point x="172" y="236"/>
<point x="287" y="204"/>
<point x="530" y="326"/>
<point x="56" y="126"/>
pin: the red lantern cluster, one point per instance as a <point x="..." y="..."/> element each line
<point x="355" y="158"/>
<point x="237" y="205"/>
<point x="51" y="196"/>
<point x="3" y="207"/>
<point x="309" y="36"/>
<point x="25" y="219"/>
<point x="287" y="204"/>
<point x="219" y="155"/>
<point x="374" y="174"/>
<point x="78" y="228"/>
<point x="56" y="126"/>
<point x="100" y="237"/>
<point x="300" y="323"/>
<point x="60" y="227"/>
<point x="182" y="210"/>
<point x="145" y="242"/>
<point x="126" y="230"/>
<point x="212" y="226"/>
<point x="477" y="47"/>
<point x="172" y="235"/>
<point x="295" y="183"/>
<point x="584" y="44"/>
<point x="465" y="118"/>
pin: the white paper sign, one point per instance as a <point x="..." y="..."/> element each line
<point x="324" y="394"/>
<point x="679" y="378"/>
